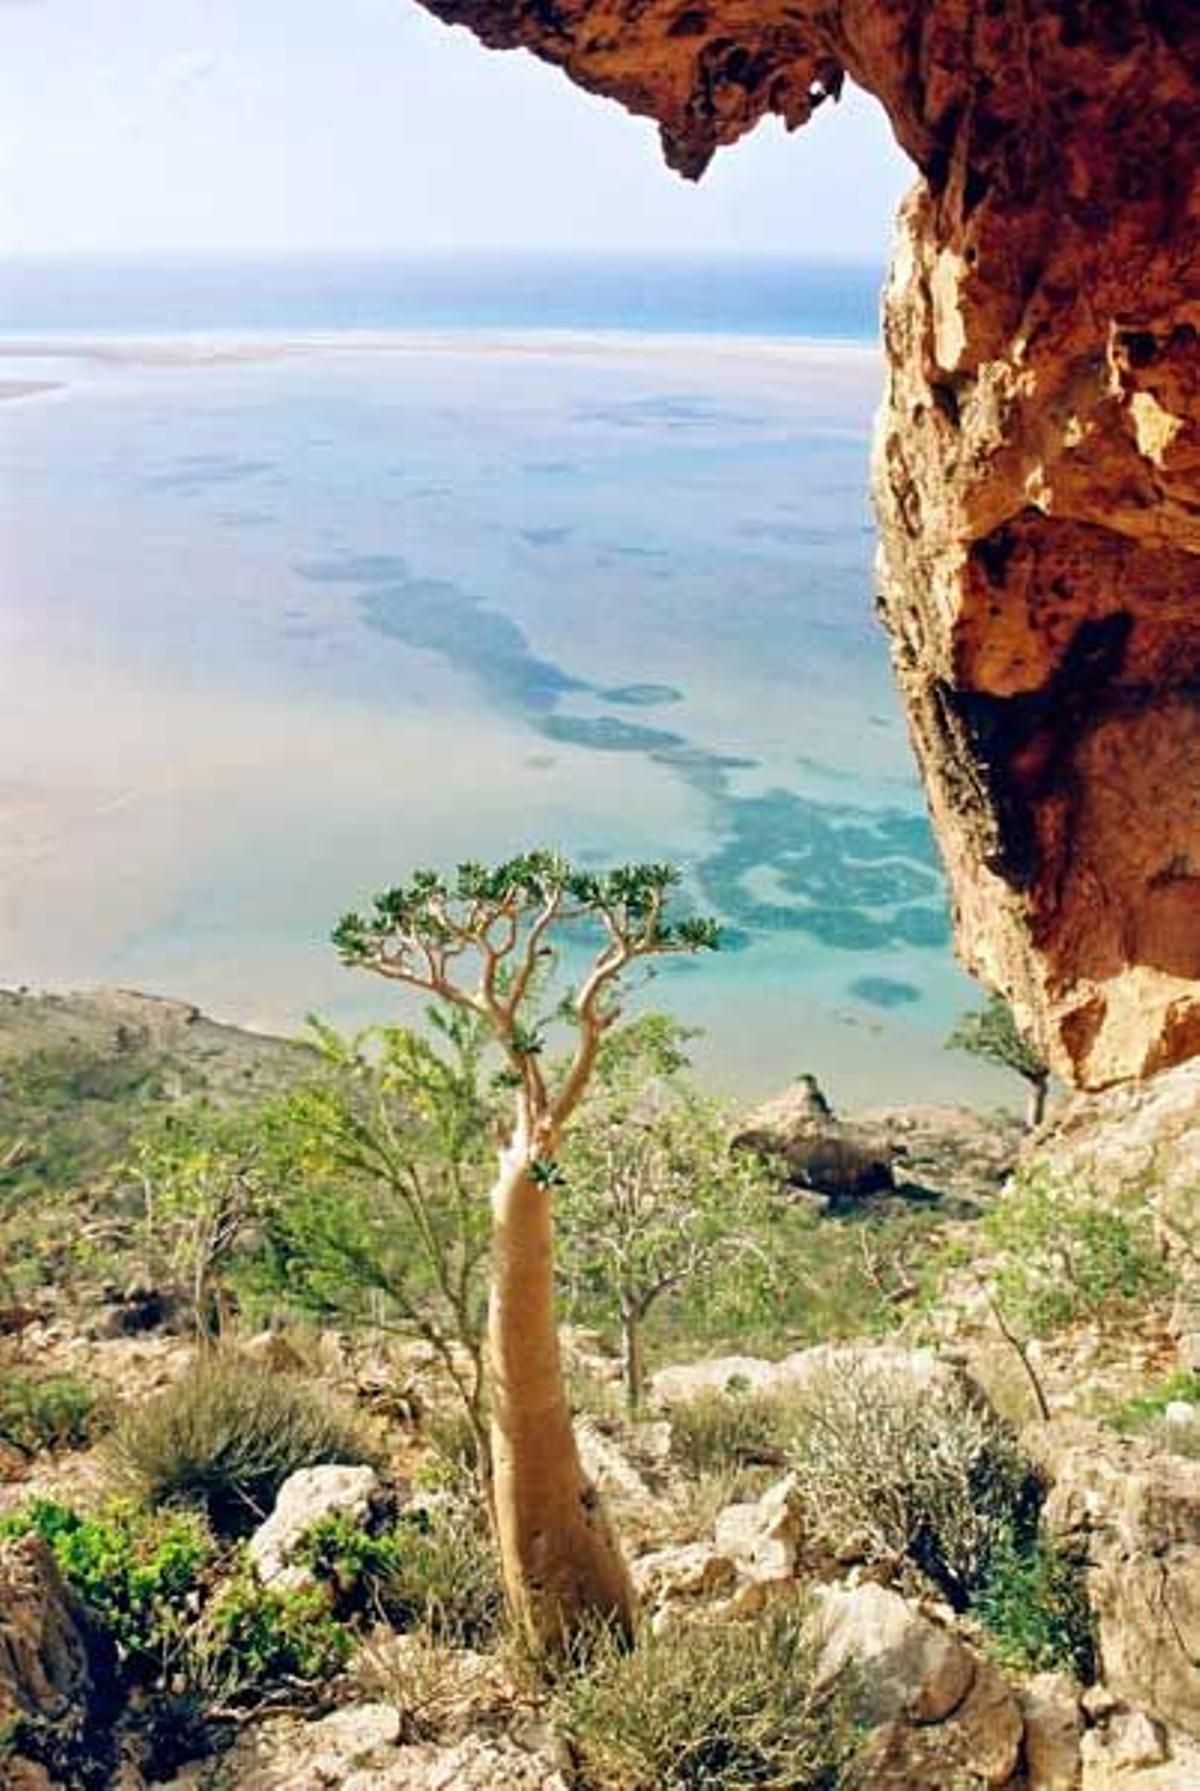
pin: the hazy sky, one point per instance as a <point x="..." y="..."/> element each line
<point x="211" y="124"/>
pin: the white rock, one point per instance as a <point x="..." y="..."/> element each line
<point x="762" y="1536"/>
<point x="908" y="1667"/>
<point x="304" y="1498"/>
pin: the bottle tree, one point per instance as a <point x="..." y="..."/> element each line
<point x="484" y="940"/>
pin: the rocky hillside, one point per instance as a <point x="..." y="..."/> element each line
<point x="962" y="1550"/>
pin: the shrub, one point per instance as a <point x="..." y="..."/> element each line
<point x="1068" y="1254"/>
<point x="254" y="1639"/>
<point x="54" y="1411"/>
<point x="139" y="1576"/>
<point x="910" y="1472"/>
<point x="716" y="1431"/>
<point x="711" y="1708"/>
<point x="434" y="1567"/>
<point x="1033" y="1604"/>
<point x="227" y="1436"/>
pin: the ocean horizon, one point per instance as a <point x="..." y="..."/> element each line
<point x="758" y="296"/>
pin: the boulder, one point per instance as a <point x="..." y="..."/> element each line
<point x="792" y="1374"/>
<point x="1053" y="1732"/>
<point x="761" y="1537"/>
<point x="909" y="1667"/>
<point x="304" y="1498"/>
<point x="1131" y="1753"/>
<point x="939" y="1718"/>
<point x="813" y="1149"/>
<point x="357" y="1749"/>
<point x="1132" y="1515"/>
<point x="45" y="1675"/>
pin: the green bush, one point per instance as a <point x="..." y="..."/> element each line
<point x="1033" y="1604"/>
<point x="227" y="1435"/>
<point x="151" y="1587"/>
<point x="1067" y="1254"/>
<point x="715" y="1431"/>
<point x="708" y="1708"/>
<point x="906" y="1471"/>
<point x="53" y="1411"/>
<point x="138" y="1575"/>
<point x="254" y="1639"/>
<point x="434" y="1567"/>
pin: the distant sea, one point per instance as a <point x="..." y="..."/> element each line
<point x="313" y="572"/>
<point x="751" y="297"/>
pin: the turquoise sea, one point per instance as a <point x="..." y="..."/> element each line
<point x="309" y="575"/>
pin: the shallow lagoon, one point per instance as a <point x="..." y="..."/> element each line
<point x="281" y="620"/>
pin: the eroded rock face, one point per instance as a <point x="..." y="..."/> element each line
<point x="1037" y="465"/>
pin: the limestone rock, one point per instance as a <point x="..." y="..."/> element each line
<point x="815" y="1150"/>
<point x="45" y="1676"/>
<point x="1134" y="1516"/>
<point x="939" y="1717"/>
<point x="979" y="1744"/>
<point x="762" y="1536"/>
<point x="1053" y="1732"/>
<point x="791" y="1374"/>
<point x="1129" y="1753"/>
<point x="910" y="1668"/>
<point x="690" y="1570"/>
<point x="304" y="1498"/>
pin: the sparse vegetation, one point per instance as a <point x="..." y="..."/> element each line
<point x="227" y="1436"/>
<point x="1064" y="1254"/>
<point x="709" y="1708"/>
<point x="716" y="1431"/>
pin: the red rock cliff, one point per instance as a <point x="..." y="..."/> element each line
<point x="1037" y="464"/>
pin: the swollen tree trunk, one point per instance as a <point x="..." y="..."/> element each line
<point x="559" y="1557"/>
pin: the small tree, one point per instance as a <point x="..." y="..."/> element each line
<point x="204" y="1181"/>
<point x="652" y="1199"/>
<point x="481" y="941"/>
<point x="378" y="1216"/>
<point x="992" y="1033"/>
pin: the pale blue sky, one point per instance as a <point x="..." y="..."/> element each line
<point x="272" y="124"/>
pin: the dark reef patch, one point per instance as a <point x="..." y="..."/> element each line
<point x="884" y="991"/>
<point x="852" y="878"/>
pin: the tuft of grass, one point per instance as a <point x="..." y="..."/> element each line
<point x="716" y="1432"/>
<point x="1033" y="1604"/>
<point x="708" y="1708"/>
<point x="226" y="1437"/>
<point x="906" y="1471"/>
<point x="51" y="1411"/>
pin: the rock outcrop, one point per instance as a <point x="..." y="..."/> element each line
<point x="1037" y="467"/>
<point x="1133" y="1517"/>
<point x="45" y="1674"/>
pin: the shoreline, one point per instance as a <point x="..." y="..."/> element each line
<point x="199" y="348"/>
